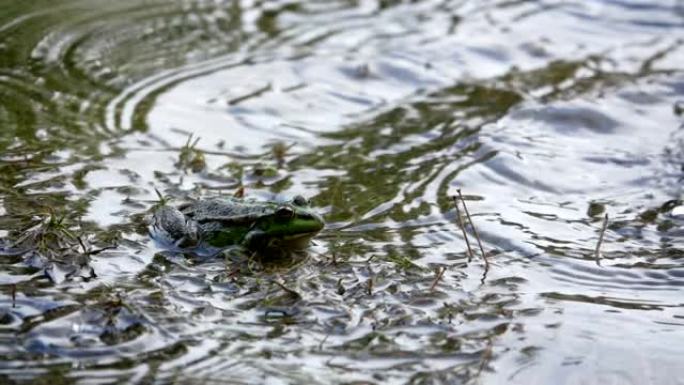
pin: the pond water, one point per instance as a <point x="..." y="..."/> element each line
<point x="547" y="115"/>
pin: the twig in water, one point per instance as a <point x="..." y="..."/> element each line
<point x="14" y="295"/>
<point x="600" y="241"/>
<point x="440" y="273"/>
<point x="462" y="226"/>
<point x="369" y="284"/>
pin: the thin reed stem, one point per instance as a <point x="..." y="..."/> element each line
<point x="477" y="236"/>
<point x="462" y="226"/>
<point x="440" y="273"/>
<point x="597" y="253"/>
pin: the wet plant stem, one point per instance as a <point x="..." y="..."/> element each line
<point x="597" y="253"/>
<point x="440" y="273"/>
<point x="14" y="295"/>
<point x="462" y="226"/>
<point x="477" y="235"/>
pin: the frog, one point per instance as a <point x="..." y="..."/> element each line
<point x="223" y="222"/>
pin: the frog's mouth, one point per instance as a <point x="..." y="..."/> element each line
<point x="294" y="242"/>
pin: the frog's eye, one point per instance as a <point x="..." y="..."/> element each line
<point x="300" y="201"/>
<point x="284" y="212"/>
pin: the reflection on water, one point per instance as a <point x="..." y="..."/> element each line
<point x="546" y="114"/>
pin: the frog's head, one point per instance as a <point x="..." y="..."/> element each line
<point x="291" y="225"/>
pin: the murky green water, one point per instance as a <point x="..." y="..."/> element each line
<point x="547" y="114"/>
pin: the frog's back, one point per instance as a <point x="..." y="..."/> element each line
<point x="226" y="207"/>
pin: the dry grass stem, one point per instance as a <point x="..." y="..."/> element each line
<point x="462" y="226"/>
<point x="440" y="273"/>
<point x="597" y="253"/>
<point x="477" y="236"/>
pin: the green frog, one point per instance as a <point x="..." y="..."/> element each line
<point x="225" y="222"/>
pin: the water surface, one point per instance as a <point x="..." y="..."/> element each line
<point x="547" y="115"/>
